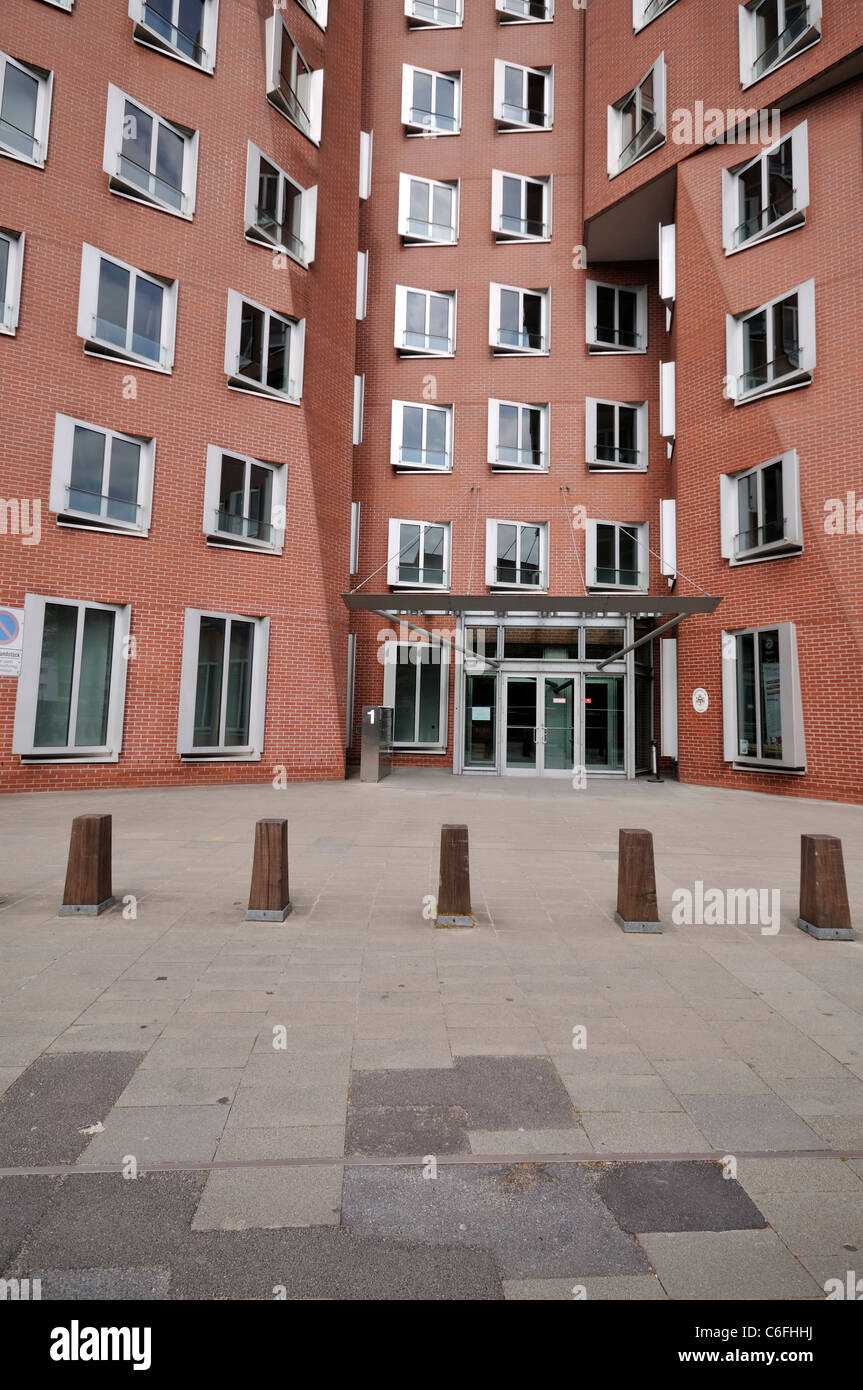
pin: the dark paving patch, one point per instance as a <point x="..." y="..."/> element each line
<point x="42" y="1112"/>
<point x="135" y="1284"/>
<point x="537" y="1221"/>
<point x="23" y="1203"/>
<point x="494" y="1092"/>
<point x="392" y="1131"/>
<point x="686" y="1196"/>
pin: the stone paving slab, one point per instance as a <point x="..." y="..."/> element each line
<point x="750" y="1122"/>
<point x="723" y="1265"/>
<point x="153" y="1133"/>
<point x="622" y="1288"/>
<point x="44" y="1111"/>
<point x="675" y="1197"/>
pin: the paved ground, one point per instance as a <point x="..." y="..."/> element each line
<point x="309" y="1060"/>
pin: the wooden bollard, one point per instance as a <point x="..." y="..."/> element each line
<point x="269" y="896"/>
<point x="824" y="910"/>
<point x="88" y="872"/>
<point x="453" y="898"/>
<point x="637" y="909"/>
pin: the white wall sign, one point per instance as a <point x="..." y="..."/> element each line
<point x="11" y="640"/>
<point x="700" y="700"/>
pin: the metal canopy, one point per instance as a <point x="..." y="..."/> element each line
<point x="591" y="605"/>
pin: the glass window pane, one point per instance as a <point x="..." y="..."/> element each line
<point x="404" y="716"/>
<point x="536" y="98"/>
<point x="267" y="211"/>
<point x="94" y="680"/>
<point x="190" y="27"/>
<point x="755" y="351"/>
<point x="442" y="199"/>
<point x="438" y="322"/>
<point x="513" y="87"/>
<point x="429" y="695"/>
<point x="606" y="314"/>
<point x="746" y="726"/>
<point x="508" y="427"/>
<point x="260" y="502"/>
<point x="4" y="272"/>
<point x="433" y="555"/>
<point x="251" y="362"/>
<point x="627" y="427"/>
<point x="147" y="328"/>
<point x="436" y="438"/>
<point x="122" y="490"/>
<point x="53" y="701"/>
<point x="769" y="691"/>
<point x="137" y="144"/>
<point x="773" y="520"/>
<point x="232" y="486"/>
<point x="627" y="312"/>
<point x="786" y="336"/>
<point x="409" y="553"/>
<point x="606" y="432"/>
<point x="606" y="562"/>
<point x="445" y="101"/>
<point x="112" y="304"/>
<point x="600" y="642"/>
<point x="419" y="201"/>
<point x="208" y="693"/>
<point x="278" y="354"/>
<point x="628" y="557"/>
<point x="18" y="111"/>
<point x="169" y="166"/>
<point x="747" y="512"/>
<point x="422" y="92"/>
<point x="780" y="180"/>
<point x="239" y="685"/>
<point x="85" y="479"/>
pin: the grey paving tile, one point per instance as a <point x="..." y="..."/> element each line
<point x="221" y="1053"/>
<point x="711" y="1077"/>
<point x="386" y="1054"/>
<point x="647" y="1132"/>
<point x="238" y="1199"/>
<point x="153" y="1133"/>
<point x="529" y="1141"/>
<point x="723" y="1265"/>
<point x="750" y="1122"/>
<point x="621" y="1092"/>
<point x="807" y="1175"/>
<point x="180" y="1086"/>
<point x="281" y="1141"/>
<point x="299" y="1102"/>
<point x="496" y="1093"/>
<point x="622" y="1288"/>
<point x="43" y="1112"/>
<point x="816" y="1224"/>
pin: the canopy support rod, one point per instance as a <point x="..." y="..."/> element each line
<point x="442" y="641"/>
<point x="672" y="622"/>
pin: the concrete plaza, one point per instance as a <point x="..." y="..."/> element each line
<point x="309" y="1060"/>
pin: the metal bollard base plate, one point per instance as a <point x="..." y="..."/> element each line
<point x="449" y="920"/>
<point x="268" y="914"/>
<point x="653" y="927"/>
<point x="85" y="909"/>
<point x="827" y="933"/>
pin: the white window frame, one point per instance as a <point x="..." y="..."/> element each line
<point x="127" y="188"/>
<point x="491" y="555"/>
<point x="278" y="504"/>
<point x="510" y="350"/>
<point x="60" y="4"/>
<point x="42" y="123"/>
<point x="788" y="222"/>
<point x="309" y="124"/>
<point x="494" y="435"/>
<point x="791" y="705"/>
<point x="413" y="238"/>
<point x="507" y="16"/>
<point x="511" y="123"/>
<point x="789" y="381"/>
<point x="359" y="406"/>
<point x="318" y="10"/>
<point x="501" y="233"/>
<point x="597" y="465"/>
<point x="439" y="656"/>
<point x="668" y="399"/>
<point x="426" y="14"/>
<point x="396" y="436"/>
<point x="366" y="152"/>
<point x="668" y="537"/>
<point x="362" y="300"/>
<point x="599" y="347"/>
<point x="668" y="260"/>
<point x="253" y="750"/>
<point x="61" y="465"/>
<point x="91" y="260"/>
<point x="28" y="684"/>
<point x="304" y="252"/>
<point x="145" y="34"/>
<point x="354" y="558"/>
<point x="641" y="530"/>
<point x="236" y="382"/>
<point x="10" y="305"/>
<point x="747" y="41"/>
<point x="644" y="12"/>
<point x="791" y="542"/>
<point x="616" y="149"/>
<point x="416" y="127"/>
<point x="402" y="292"/>
<point x="394" y="549"/>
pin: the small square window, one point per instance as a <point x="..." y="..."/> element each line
<point x="223" y="687"/>
<point x="518" y="436"/>
<point x="263" y="350"/>
<point x="126" y="313"/>
<point x="616" y="437"/>
<point x="767" y="195"/>
<point x="101" y="479"/>
<point x="637" y="122"/>
<point x="421" y="438"/>
<point x="760" y="510"/>
<point x="519" y="320"/>
<point x="279" y="213"/>
<point x="772" y="348"/>
<point x="181" y="29"/>
<point x="244" y="501"/>
<point x="147" y="158"/>
<point x="431" y="101"/>
<point x="428" y="211"/>
<point x="425" y="322"/>
<point x="616" y="317"/>
<point x="418" y="554"/>
<point x="523" y="97"/>
<point x="525" y="11"/>
<point x="293" y="87"/>
<point x="520" y="207"/>
<point x="434" y="14"/>
<point x="772" y="32"/>
<point x="11" y="264"/>
<point x="25" y="110"/>
<point x="516" y="554"/>
<point x="617" y="555"/>
<point x="762" y="713"/>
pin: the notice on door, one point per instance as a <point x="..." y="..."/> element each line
<point x="480" y="712"/>
<point x="11" y="640"/>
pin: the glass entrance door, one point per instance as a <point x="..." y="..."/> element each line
<point x="603" y="723"/>
<point x="539" y="725"/>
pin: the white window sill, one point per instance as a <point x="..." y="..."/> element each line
<point x="276" y="246"/>
<point x="744" y="765"/>
<point x="630" y="164"/>
<point x="144" y="201"/>
<point x="783" y="550"/>
<point x="781" y="62"/>
<point x="220" y="542"/>
<point x="517" y="128"/>
<point x="794" y="383"/>
<point x="791" y="223"/>
<point x="597" y="466"/>
<point x="147" y="38"/>
<point x="38" y="163"/>
<point x="420" y="588"/>
<point x="55" y="759"/>
<point x="251" y="389"/>
<point x="222" y="755"/>
<point x="434" y="749"/>
<point x="78" y="521"/>
<point x="94" y="348"/>
<point x="517" y="467"/>
<point x="414" y="131"/>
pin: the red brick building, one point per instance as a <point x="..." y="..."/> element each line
<point x="510" y="318"/>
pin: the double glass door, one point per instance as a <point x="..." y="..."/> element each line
<point x="539" y="725"/>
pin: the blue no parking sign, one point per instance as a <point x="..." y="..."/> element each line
<point x="11" y="640"/>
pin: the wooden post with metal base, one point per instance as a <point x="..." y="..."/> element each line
<point x="87" y="892"/>
<point x="824" y="910"/>
<point x="637" y="909"/>
<point x="269" y="897"/>
<point x="453" y="899"/>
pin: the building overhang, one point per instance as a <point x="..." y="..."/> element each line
<point x="543" y="605"/>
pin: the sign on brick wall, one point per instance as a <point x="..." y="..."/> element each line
<point x="11" y="640"/>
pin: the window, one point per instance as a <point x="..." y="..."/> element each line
<point x="518" y="320"/>
<point x="182" y="29"/>
<point x="244" y="501"/>
<point x="431" y="101"/>
<point x="317" y="9"/>
<point x="525" y="11"/>
<point x="223" y="686"/>
<point x="520" y="207"/>
<point x="125" y="313"/>
<point x="428" y="210"/>
<point x="760" y="509"/>
<point x="762" y="713"/>
<point x="518" y="436"/>
<point x="516" y="555"/>
<point x="100" y="478"/>
<point x="416" y="685"/>
<point x="60" y="4"/>
<point x="616" y="438"/>
<point x="425" y="322"/>
<point x="523" y="98"/>
<point x="772" y="348"/>
<point x="147" y="158"/>
<point x="434" y="14"/>
<point x="263" y="350"/>
<point x="774" y="31"/>
<point x="616" y="318"/>
<point x="292" y="87"/>
<point x="616" y="555"/>
<point x="11" y="262"/>
<point x="421" y="437"/>
<point x="418" y="554"/>
<point x="766" y="195"/>
<point x="72" y="685"/>
<point x="644" y="11"/>
<point x="636" y="123"/>
<point x="279" y="213"/>
<point x="25" y="110"/>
